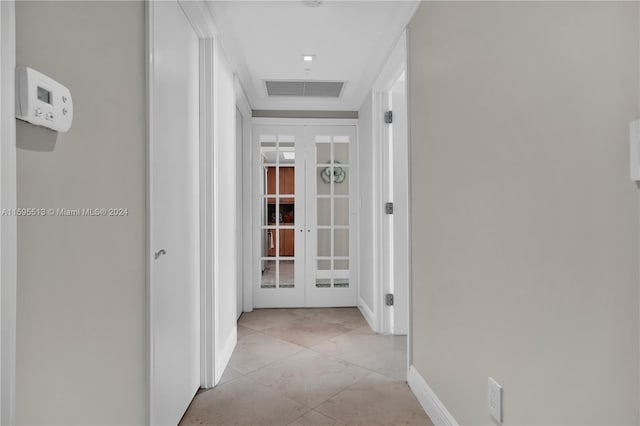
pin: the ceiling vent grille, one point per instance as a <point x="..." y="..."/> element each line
<point x="313" y="89"/>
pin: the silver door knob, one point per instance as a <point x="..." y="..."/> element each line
<point x="160" y="253"/>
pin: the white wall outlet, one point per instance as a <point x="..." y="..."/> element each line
<point x="495" y="400"/>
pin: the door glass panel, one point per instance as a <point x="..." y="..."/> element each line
<point x="324" y="242"/>
<point x="341" y="243"/>
<point x="287" y="178"/>
<point x="323" y="282"/>
<point x="341" y="265"/>
<point x="341" y="153"/>
<point x="269" y="242"/>
<point x="269" y="153"/>
<point x="271" y="211"/>
<point x="287" y="243"/>
<point x="341" y="282"/>
<point x="324" y="211"/>
<point x="324" y="180"/>
<point x="269" y="186"/>
<point x="341" y="211"/>
<point x="341" y="139"/>
<point x="268" y="273"/>
<point x="323" y="153"/>
<point x="341" y="187"/>
<point x="287" y="212"/>
<point x="287" y="273"/>
<point x="324" y="264"/>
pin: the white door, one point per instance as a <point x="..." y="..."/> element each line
<point x="306" y="211"/>
<point x="395" y="178"/>
<point x="280" y="212"/>
<point x="400" y="217"/>
<point x="174" y="214"/>
<point x="330" y="216"/>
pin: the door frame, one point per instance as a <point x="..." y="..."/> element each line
<point x="253" y="188"/>
<point x="199" y="16"/>
<point x="397" y="64"/>
<point x="8" y="227"/>
<point x="243" y="105"/>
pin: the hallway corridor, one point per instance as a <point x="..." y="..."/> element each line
<point x="310" y="367"/>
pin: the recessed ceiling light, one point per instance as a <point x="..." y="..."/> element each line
<point x="308" y="58"/>
<point x="289" y="155"/>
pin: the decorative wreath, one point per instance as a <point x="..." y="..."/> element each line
<point x="338" y="174"/>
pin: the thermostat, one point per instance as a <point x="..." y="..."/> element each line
<point x="42" y="101"/>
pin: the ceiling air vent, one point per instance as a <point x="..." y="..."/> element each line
<point x="314" y="89"/>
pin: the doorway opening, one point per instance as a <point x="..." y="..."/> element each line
<point x="306" y="216"/>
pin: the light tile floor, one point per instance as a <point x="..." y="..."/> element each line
<point x="310" y="367"/>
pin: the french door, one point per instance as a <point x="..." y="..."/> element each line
<point x="305" y="230"/>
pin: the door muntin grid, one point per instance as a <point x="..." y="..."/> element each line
<point x="332" y="199"/>
<point x="278" y="211"/>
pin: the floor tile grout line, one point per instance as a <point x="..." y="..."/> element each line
<point x="273" y="362"/>
<point x="371" y="370"/>
<point x="348" y="380"/>
<point x="316" y="351"/>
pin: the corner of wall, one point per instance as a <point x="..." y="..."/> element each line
<point x="430" y="402"/>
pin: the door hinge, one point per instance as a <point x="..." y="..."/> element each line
<point x="388" y="208"/>
<point x="389" y="299"/>
<point x="388" y="117"/>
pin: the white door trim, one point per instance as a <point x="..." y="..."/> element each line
<point x="243" y="105"/>
<point x="305" y="121"/>
<point x="391" y="72"/>
<point x="207" y="232"/>
<point x="202" y="23"/>
<point x="8" y="227"/>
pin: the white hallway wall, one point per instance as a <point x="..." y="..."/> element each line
<point x="225" y="212"/>
<point x="525" y="222"/>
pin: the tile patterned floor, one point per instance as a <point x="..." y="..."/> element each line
<point x="310" y="367"/>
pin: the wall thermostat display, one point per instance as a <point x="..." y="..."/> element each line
<point x="42" y="101"/>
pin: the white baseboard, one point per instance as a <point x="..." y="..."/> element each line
<point x="224" y="356"/>
<point x="367" y="314"/>
<point x="432" y="405"/>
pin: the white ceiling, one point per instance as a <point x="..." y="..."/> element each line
<point x="265" y="40"/>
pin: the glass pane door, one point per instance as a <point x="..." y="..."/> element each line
<point x="280" y="212"/>
<point x="305" y="216"/>
<point x="330" y="189"/>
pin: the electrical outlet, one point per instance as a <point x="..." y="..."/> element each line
<point x="495" y="400"/>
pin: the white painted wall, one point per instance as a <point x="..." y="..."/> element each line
<point x="366" y="179"/>
<point x="225" y="214"/>
<point x="81" y="280"/>
<point x="525" y="223"/>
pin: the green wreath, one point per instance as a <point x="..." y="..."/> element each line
<point x="338" y="174"/>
